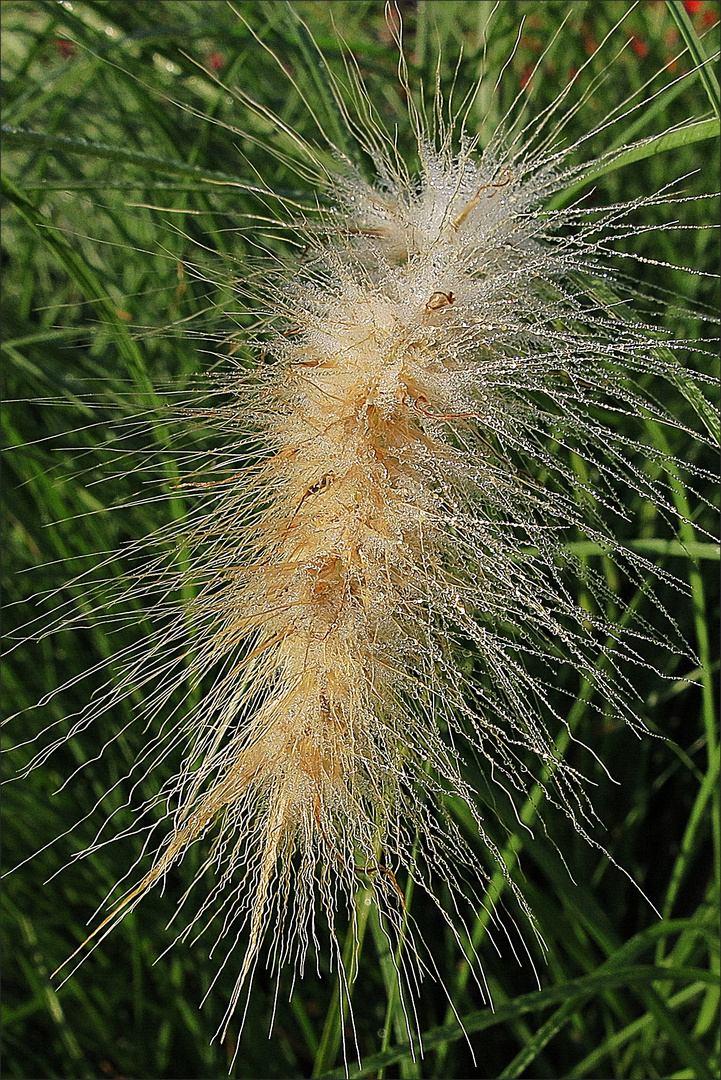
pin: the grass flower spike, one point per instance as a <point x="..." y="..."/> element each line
<point x="405" y="512"/>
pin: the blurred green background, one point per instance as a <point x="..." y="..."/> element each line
<point x="123" y="240"/>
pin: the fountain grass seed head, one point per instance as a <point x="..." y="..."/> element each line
<point x="382" y="572"/>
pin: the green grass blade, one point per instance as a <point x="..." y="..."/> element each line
<point x="697" y="52"/>
<point x="684" y="136"/>
<point x="590" y="1065"/>
<point x="20" y="137"/>
<point x="579" y="989"/>
<point x="332" y="1036"/>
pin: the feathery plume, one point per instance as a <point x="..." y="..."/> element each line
<point x="381" y="573"/>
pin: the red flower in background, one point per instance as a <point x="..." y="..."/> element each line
<point x="526" y="76"/>
<point x="216" y="61"/>
<point x="692" y="6"/>
<point x="67" y="49"/>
